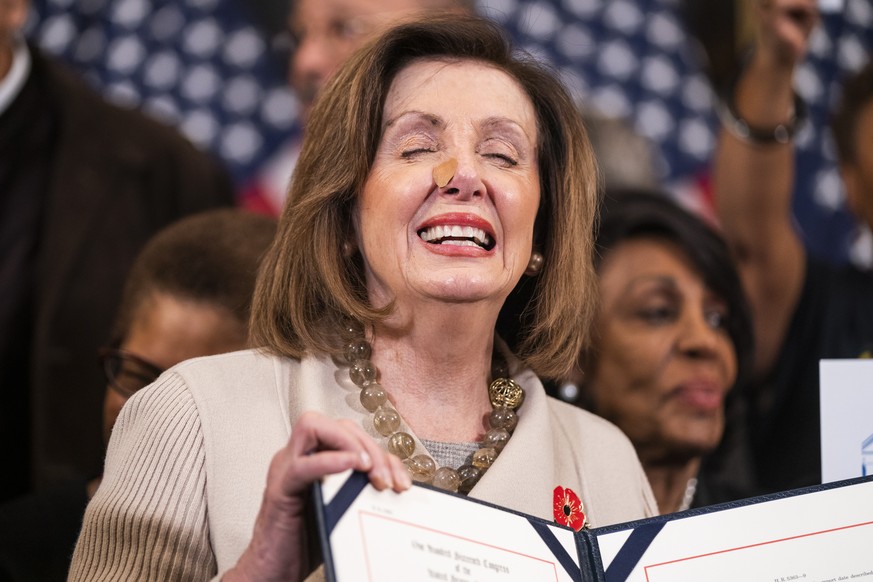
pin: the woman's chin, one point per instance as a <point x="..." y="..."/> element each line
<point x="459" y="285"/>
<point x="463" y="295"/>
<point x="697" y="444"/>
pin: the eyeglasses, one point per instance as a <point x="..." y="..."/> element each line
<point x="125" y="372"/>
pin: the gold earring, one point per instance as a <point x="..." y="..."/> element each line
<point x="535" y="265"/>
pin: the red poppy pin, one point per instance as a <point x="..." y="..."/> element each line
<point x="569" y="510"/>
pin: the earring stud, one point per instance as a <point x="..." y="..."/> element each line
<point x="535" y="265"/>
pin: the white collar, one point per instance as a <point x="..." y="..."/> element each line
<point x="11" y="85"/>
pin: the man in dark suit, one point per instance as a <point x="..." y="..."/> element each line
<point x="83" y="185"/>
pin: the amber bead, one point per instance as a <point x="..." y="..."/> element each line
<point x="421" y="468"/>
<point x="496" y="438"/>
<point x="484" y="457"/>
<point x="401" y="444"/>
<point x="386" y="420"/>
<point x="373" y="396"/>
<point x="499" y="369"/>
<point x="469" y="476"/>
<point x="503" y="417"/>
<point x="362" y="372"/>
<point x="447" y="479"/>
<point x="357" y="350"/>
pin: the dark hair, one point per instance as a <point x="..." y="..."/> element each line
<point x="628" y="214"/>
<point x="857" y="93"/>
<point x="211" y="257"/>
<point x="309" y="286"/>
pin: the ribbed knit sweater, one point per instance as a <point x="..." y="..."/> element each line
<point x="153" y="512"/>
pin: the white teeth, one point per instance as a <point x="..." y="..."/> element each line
<point x="456" y="234"/>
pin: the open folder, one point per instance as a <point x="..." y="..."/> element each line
<point x="816" y="534"/>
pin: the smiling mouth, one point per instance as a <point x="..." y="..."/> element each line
<point x="462" y="236"/>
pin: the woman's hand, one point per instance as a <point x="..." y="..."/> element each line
<point x="784" y="27"/>
<point x="318" y="446"/>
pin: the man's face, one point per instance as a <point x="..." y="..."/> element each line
<point x="858" y="175"/>
<point x="327" y="32"/>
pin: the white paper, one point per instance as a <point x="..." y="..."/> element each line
<point x="426" y="535"/>
<point x="815" y="537"/>
<point x="846" y="419"/>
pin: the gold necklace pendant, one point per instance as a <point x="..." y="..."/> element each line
<point x="504" y="392"/>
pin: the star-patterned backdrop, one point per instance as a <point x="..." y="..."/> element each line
<point x="200" y="65"/>
<point x="206" y="68"/>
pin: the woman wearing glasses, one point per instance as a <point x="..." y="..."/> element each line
<point x="187" y="295"/>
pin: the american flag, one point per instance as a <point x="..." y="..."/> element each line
<point x="200" y="65"/>
<point x="634" y="59"/>
<point x="205" y="67"/>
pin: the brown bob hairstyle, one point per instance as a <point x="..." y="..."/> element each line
<point x="309" y="288"/>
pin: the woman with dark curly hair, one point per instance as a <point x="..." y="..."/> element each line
<point x="671" y="341"/>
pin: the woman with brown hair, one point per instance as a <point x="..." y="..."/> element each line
<point x="438" y="170"/>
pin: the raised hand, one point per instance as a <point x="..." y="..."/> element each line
<point x="784" y="28"/>
<point x="318" y="446"/>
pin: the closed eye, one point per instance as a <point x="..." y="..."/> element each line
<point x="500" y="149"/>
<point x="406" y="154"/>
<point x="510" y="161"/>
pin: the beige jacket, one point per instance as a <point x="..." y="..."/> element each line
<point x="187" y="463"/>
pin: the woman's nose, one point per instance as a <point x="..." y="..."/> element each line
<point x="698" y="338"/>
<point x="466" y="181"/>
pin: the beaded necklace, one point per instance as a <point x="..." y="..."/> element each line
<point x="506" y="397"/>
